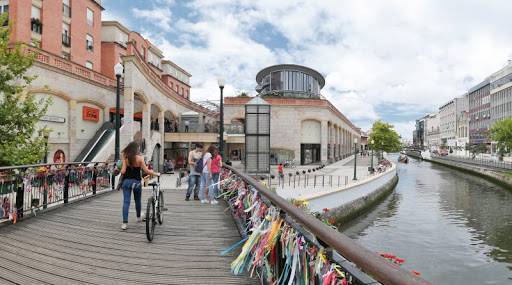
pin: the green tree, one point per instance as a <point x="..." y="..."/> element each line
<point x="384" y="137"/>
<point x="20" y="142"/>
<point x="501" y="132"/>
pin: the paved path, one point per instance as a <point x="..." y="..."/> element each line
<point x="84" y="244"/>
<point x="334" y="176"/>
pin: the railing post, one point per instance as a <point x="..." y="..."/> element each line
<point x="66" y="186"/>
<point x="45" y="191"/>
<point x="94" y="179"/>
<point x="20" y="193"/>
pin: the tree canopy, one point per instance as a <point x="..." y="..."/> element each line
<point x="384" y="137"/>
<point x="501" y="132"/>
<point x="20" y="142"/>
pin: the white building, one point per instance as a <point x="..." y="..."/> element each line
<point x="449" y="115"/>
<point x="432" y="131"/>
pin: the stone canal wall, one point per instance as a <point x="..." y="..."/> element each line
<point x="348" y="203"/>
<point x="496" y="176"/>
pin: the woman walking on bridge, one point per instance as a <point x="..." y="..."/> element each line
<point x="133" y="163"/>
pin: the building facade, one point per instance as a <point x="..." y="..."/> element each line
<point x="75" y="55"/>
<point x="447" y="123"/>
<point x="419" y="134"/>
<point x="304" y="126"/>
<point x="449" y="115"/>
<point x="479" y="113"/>
<point x="432" y="131"/>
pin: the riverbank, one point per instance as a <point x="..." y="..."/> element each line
<point x="502" y="178"/>
<point x="349" y="202"/>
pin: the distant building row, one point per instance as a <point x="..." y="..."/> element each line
<point x="466" y="120"/>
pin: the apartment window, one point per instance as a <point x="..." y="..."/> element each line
<point x="90" y="17"/>
<point x="88" y="64"/>
<point x="66" y="35"/>
<point x="66" y="9"/>
<point x="89" y="43"/>
<point x="66" y="55"/>
<point x="182" y="91"/>
<point x="4" y="9"/>
<point x="35" y="21"/>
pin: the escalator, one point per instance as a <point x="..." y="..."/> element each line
<point x="97" y="142"/>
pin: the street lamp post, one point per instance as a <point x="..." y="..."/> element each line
<point x="371" y="161"/>
<point x="118" y="71"/>
<point x="355" y="159"/>
<point x="221" y="117"/>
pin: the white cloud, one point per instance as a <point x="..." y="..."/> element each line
<point x="158" y="16"/>
<point x="418" y="52"/>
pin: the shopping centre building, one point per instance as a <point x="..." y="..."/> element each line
<point x="75" y="54"/>
<point x="304" y="126"/>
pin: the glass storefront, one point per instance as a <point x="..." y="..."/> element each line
<point x="278" y="155"/>
<point x="310" y="153"/>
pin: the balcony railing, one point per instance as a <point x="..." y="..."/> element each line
<point x="66" y="40"/>
<point x="69" y="66"/>
<point x="234" y="129"/>
<point x="36" y="26"/>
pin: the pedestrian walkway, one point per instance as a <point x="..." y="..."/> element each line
<point x="83" y="244"/>
<point x="334" y="176"/>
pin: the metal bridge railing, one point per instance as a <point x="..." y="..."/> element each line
<point x="252" y="205"/>
<point x="478" y="161"/>
<point x="30" y="188"/>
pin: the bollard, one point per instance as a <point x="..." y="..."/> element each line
<point x="314" y="182"/>
<point x="338" y="181"/>
<point x="346" y="180"/>
<point x="323" y="180"/>
<point x="330" y="180"/>
<point x="294" y="182"/>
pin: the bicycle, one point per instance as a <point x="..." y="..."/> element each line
<point x="154" y="209"/>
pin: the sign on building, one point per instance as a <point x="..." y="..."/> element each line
<point x="90" y="114"/>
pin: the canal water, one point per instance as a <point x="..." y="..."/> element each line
<point x="452" y="227"/>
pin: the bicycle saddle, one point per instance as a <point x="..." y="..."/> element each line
<point x="153" y="184"/>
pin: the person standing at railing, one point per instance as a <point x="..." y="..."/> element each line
<point x="133" y="163"/>
<point x="187" y="125"/>
<point x="216" y="166"/>
<point x="194" y="178"/>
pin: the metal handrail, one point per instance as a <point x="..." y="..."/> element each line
<point x="370" y="262"/>
<point x="49" y="164"/>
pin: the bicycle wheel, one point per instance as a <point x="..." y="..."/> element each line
<point x="160" y="208"/>
<point x="150" y="219"/>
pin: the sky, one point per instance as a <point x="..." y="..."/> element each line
<point x="392" y="60"/>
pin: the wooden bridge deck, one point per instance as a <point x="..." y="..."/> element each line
<point x="83" y="244"/>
